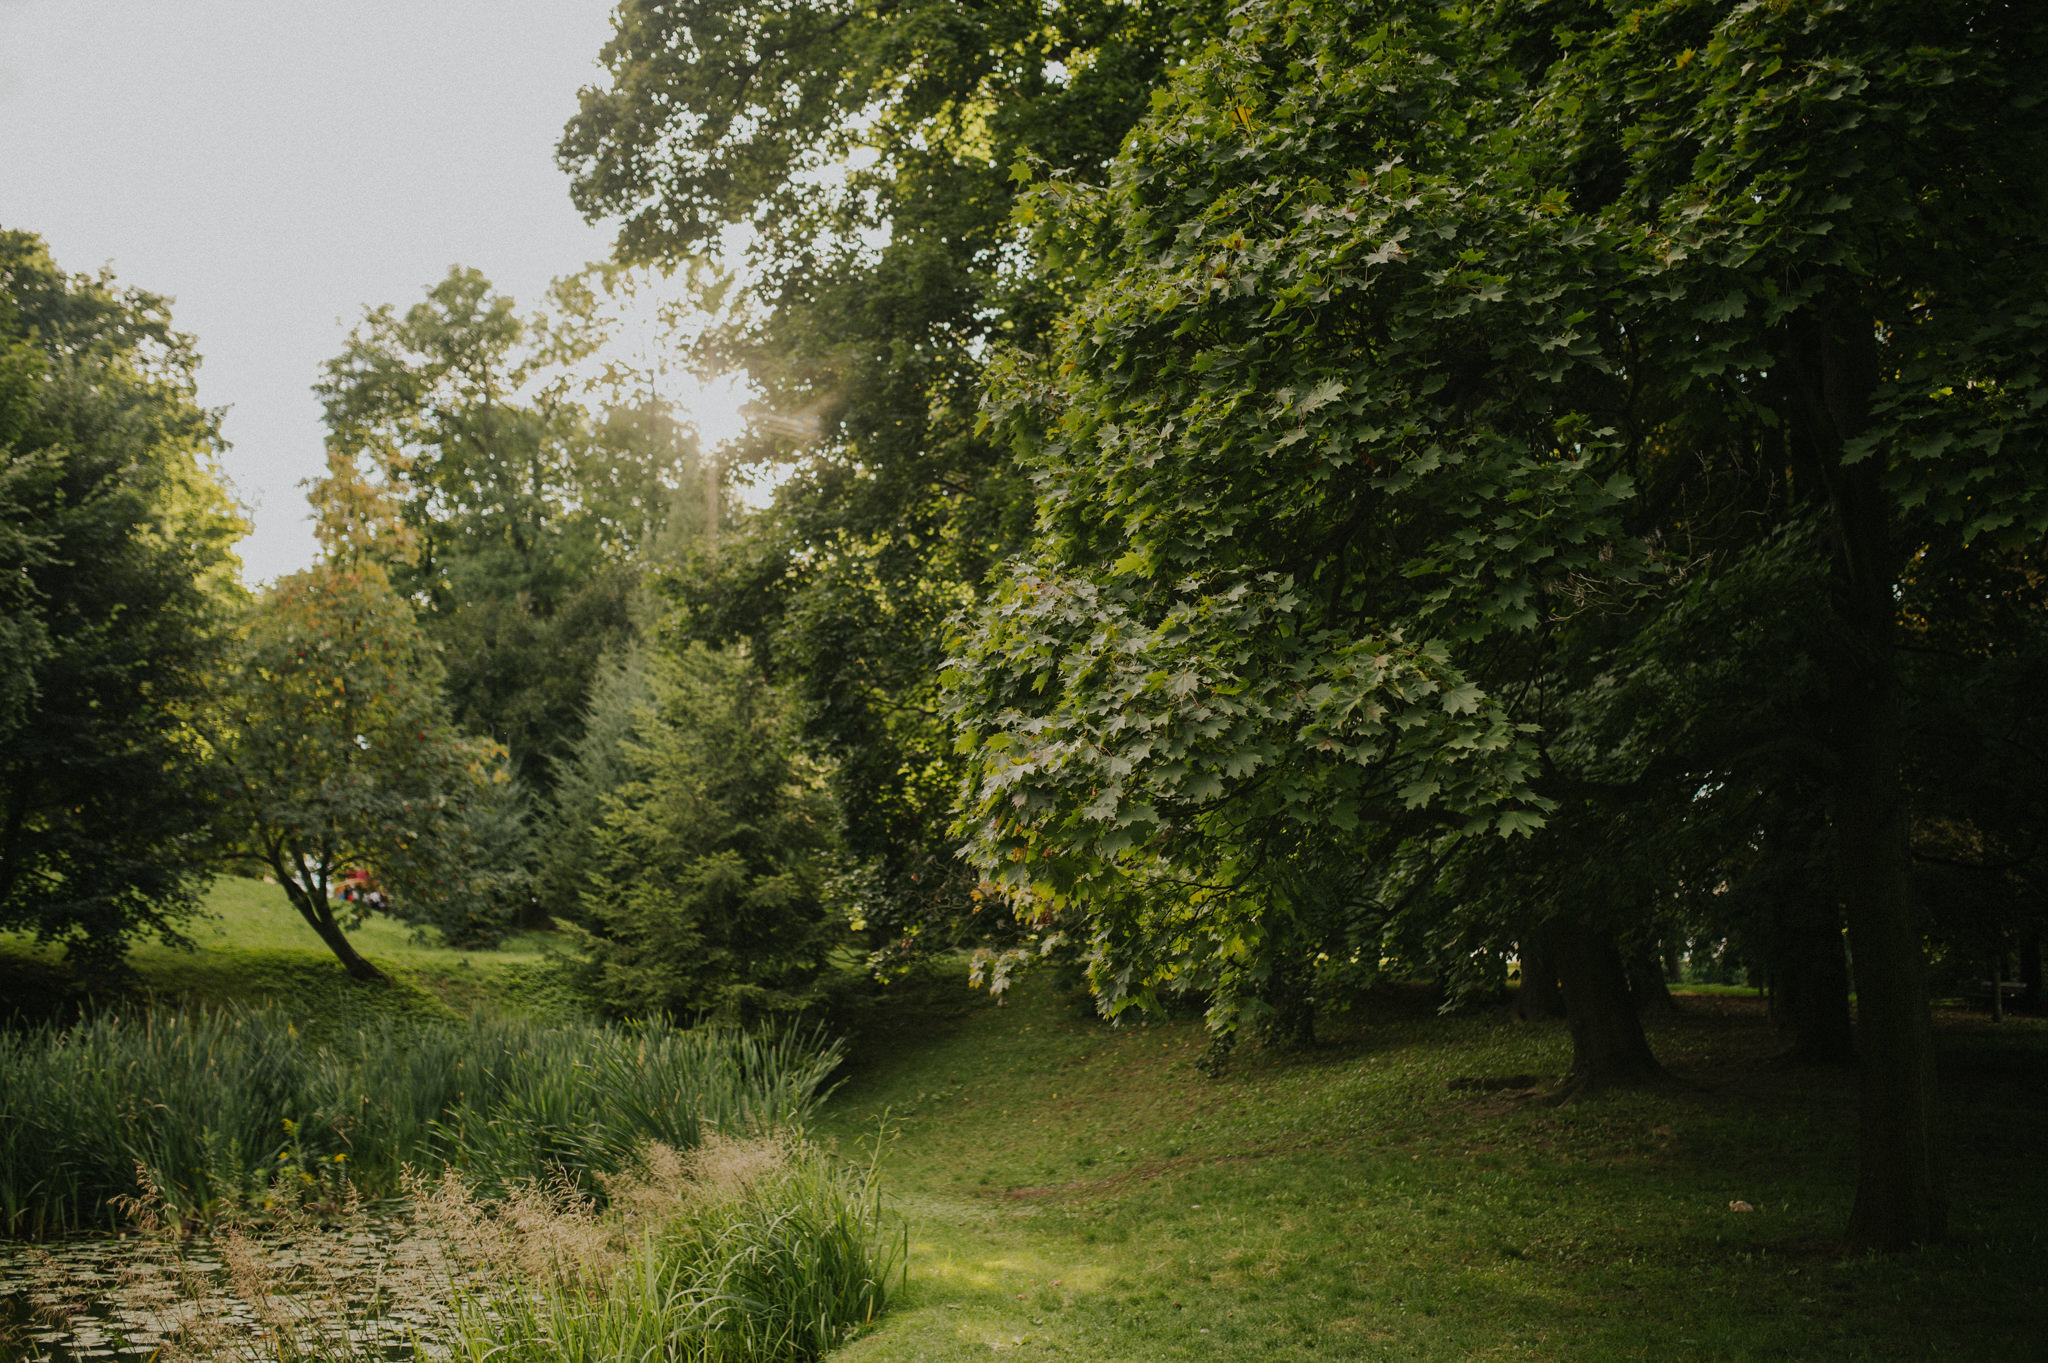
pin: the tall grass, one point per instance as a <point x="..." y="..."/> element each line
<point x="228" y="1111"/>
<point x="761" y="1252"/>
<point x="755" y="1249"/>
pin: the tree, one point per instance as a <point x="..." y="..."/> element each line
<point x="1676" y="732"/>
<point x="1398" y="336"/>
<point x="703" y="879"/>
<point x="1840" y="211"/>
<point x="462" y="460"/>
<point x="1309" y="454"/>
<point x="341" y="756"/>
<point x="871" y="300"/>
<point x="598" y="766"/>
<point x="117" y="584"/>
<point x="1974" y="658"/>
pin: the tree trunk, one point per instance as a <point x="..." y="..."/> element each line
<point x="2030" y="969"/>
<point x="1608" y="1045"/>
<point x="313" y="907"/>
<point x="1538" y="996"/>
<point x="1292" y="1024"/>
<point x="1811" y="997"/>
<point x="1646" y="982"/>
<point x="1998" y="987"/>
<point x="1899" y="1194"/>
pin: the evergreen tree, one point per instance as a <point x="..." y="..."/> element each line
<point x="704" y="889"/>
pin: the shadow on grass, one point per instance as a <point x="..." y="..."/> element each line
<point x="1083" y="1191"/>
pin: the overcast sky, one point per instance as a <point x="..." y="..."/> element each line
<point x="275" y="167"/>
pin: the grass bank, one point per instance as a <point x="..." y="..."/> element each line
<point x="1079" y="1191"/>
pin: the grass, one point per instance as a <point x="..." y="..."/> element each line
<point x="234" y="1111"/>
<point x="251" y="946"/>
<point x="254" y="913"/>
<point x="1074" y="1190"/>
<point x="1704" y="989"/>
<point x="1080" y="1191"/>
<point x="757" y="1251"/>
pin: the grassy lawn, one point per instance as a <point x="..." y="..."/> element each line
<point x="251" y="946"/>
<point x="1080" y="1191"/>
<point x="253" y="913"/>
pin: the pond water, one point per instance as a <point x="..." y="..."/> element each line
<point x="373" y="1288"/>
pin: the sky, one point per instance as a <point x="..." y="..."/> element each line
<point x="276" y="168"/>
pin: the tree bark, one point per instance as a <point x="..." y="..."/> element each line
<point x="1811" y="997"/>
<point x="1608" y="1046"/>
<point x="1899" y="1194"/>
<point x="1538" y="996"/>
<point x="1646" y="983"/>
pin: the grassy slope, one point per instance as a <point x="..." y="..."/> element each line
<point x="251" y="946"/>
<point x="1079" y="1191"/>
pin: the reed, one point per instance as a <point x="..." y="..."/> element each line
<point x="761" y="1251"/>
<point x="231" y="1111"/>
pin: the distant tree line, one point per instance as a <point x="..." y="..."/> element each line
<point x="464" y="715"/>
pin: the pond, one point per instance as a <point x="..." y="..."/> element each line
<point x="375" y="1287"/>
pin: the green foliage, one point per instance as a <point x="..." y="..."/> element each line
<point x="491" y="880"/>
<point x="598" y="765"/>
<point x="703" y="888"/>
<point x="211" y="1104"/>
<point x="710" y="111"/>
<point x="1833" y="221"/>
<point x="1683" y="750"/>
<point x="1319" y="439"/>
<point x="463" y="460"/>
<point x="1782" y="172"/>
<point x="340" y="755"/>
<point x="521" y="674"/>
<point x="1975" y="627"/>
<point x="1462" y="343"/>
<point x="873" y="296"/>
<point x="116" y="585"/>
